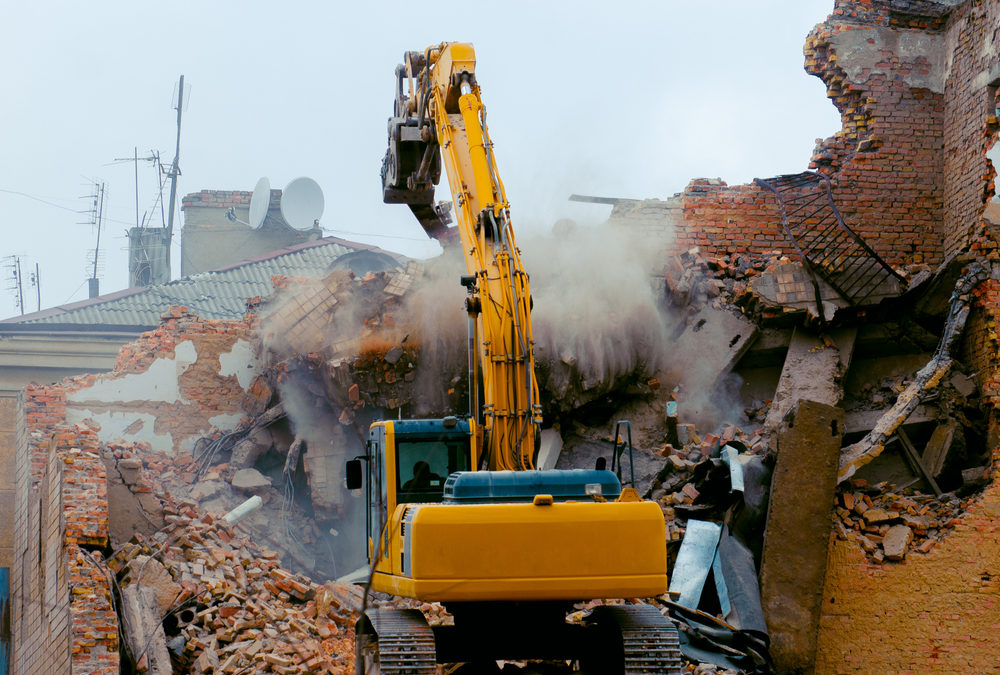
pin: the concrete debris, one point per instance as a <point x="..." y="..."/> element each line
<point x="249" y="480"/>
<point x="793" y="565"/>
<point x="814" y="367"/>
<point x="896" y="542"/>
<point x="145" y="637"/>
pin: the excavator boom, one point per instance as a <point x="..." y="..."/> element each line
<point x="438" y="111"/>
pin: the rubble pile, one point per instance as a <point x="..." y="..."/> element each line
<point x="351" y="337"/>
<point x="215" y="486"/>
<point x="693" y="279"/>
<point x="764" y="287"/>
<point x="676" y="489"/>
<point x="888" y="524"/>
<point x="228" y="604"/>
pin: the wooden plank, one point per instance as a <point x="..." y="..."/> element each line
<point x="938" y="445"/>
<point x="912" y="452"/>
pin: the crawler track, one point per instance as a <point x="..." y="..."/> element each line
<point x="395" y="642"/>
<point x="649" y="640"/>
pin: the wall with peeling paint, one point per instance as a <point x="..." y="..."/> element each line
<point x="197" y="379"/>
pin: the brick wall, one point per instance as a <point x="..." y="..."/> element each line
<point x="885" y="163"/>
<point x="202" y="393"/>
<point x="710" y="214"/>
<point x="970" y="123"/>
<point x="907" y="167"/>
<point x="63" y="617"/>
<point x="937" y="612"/>
<point x="63" y="614"/>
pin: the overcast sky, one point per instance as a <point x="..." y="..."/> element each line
<point x="621" y="99"/>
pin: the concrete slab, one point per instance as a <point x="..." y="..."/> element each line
<point x="551" y="446"/>
<point x="711" y="344"/>
<point x="144" y="632"/>
<point x="865" y="420"/>
<point x="814" y="370"/>
<point x="793" y="565"/>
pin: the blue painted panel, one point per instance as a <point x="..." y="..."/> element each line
<point x="5" y="618"/>
<point x="522" y="486"/>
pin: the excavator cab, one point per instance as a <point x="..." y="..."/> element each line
<point x="408" y="462"/>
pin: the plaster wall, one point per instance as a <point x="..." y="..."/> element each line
<point x="172" y="400"/>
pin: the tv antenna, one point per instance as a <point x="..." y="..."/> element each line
<point x="154" y="157"/>
<point x="175" y="170"/>
<point x="97" y="219"/>
<point x="15" y="286"/>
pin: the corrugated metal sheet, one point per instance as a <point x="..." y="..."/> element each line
<point x="219" y="294"/>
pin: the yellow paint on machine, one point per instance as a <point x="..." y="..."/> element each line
<point x="563" y="551"/>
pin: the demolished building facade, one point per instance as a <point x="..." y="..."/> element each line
<point x="105" y="462"/>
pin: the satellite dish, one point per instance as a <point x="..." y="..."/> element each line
<point x="260" y="202"/>
<point x="302" y="203"/>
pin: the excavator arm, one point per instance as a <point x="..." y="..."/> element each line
<point x="439" y="118"/>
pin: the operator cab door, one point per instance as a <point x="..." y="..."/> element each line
<point x="408" y="462"/>
<point x="377" y="497"/>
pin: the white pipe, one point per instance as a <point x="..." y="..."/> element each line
<point x="243" y="510"/>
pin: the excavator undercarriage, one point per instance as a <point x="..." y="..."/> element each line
<point x="612" y="640"/>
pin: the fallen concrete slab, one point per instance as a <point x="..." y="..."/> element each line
<point x="813" y="371"/>
<point x="857" y="421"/>
<point x="144" y="633"/>
<point x="708" y="348"/>
<point x="793" y="565"/>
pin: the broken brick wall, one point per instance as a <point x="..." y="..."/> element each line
<point x="170" y="387"/>
<point x="970" y="123"/>
<point x="936" y="612"/>
<point x="709" y="214"/>
<point x="901" y="168"/>
<point x="63" y="618"/>
<point x="885" y="71"/>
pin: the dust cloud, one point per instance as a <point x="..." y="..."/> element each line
<point x="602" y="323"/>
<point x="597" y="319"/>
<point x="434" y="311"/>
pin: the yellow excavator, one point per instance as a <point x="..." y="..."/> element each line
<point x="456" y="512"/>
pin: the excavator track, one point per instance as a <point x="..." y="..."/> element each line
<point x="649" y="640"/>
<point x="395" y="642"/>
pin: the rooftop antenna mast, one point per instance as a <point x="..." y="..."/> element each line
<point x="174" y="172"/>
<point x="14" y="263"/>
<point x="36" y="281"/>
<point x="95" y="284"/>
<point x="96" y="213"/>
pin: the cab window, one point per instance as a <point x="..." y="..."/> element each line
<point x="424" y="464"/>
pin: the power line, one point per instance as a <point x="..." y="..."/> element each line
<point x="59" y="206"/>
